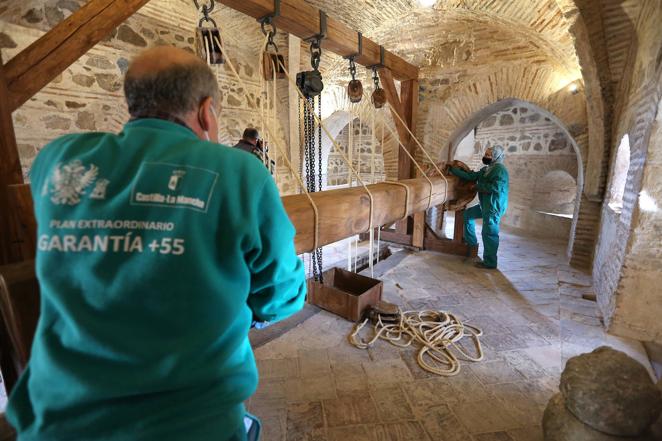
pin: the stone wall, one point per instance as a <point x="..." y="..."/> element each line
<point x="88" y="95"/>
<point x="538" y="191"/>
<point x="626" y="272"/>
<point x="363" y="141"/>
<point x="523" y="131"/>
<point x="543" y="169"/>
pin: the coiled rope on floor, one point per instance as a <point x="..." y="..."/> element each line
<point x="438" y="333"/>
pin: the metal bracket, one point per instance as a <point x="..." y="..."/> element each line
<point x="269" y="18"/>
<point x="360" y="52"/>
<point x="323" y="29"/>
<point x="382" y="51"/>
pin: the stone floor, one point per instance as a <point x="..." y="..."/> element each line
<point x="315" y="386"/>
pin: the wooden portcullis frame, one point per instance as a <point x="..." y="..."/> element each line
<point x="345" y="293"/>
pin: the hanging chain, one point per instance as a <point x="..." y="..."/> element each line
<point x="270" y="33"/>
<point x="319" y="172"/>
<point x="313" y="166"/>
<point x="206" y="10"/>
<point x="315" y="53"/>
<point x="375" y="77"/>
<point x="352" y="68"/>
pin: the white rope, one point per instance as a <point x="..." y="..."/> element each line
<point x="434" y="164"/>
<point x="350" y="152"/>
<point x="437" y="333"/>
<point x="418" y="166"/>
<point x="268" y="128"/>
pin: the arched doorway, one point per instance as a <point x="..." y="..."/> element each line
<point x="366" y="151"/>
<point x="514" y="113"/>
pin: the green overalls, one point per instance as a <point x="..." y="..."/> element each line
<point x="492" y="185"/>
<point x="155" y="252"/>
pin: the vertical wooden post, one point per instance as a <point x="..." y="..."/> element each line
<point x="409" y="101"/>
<point x="458" y="229"/>
<point x="10" y="174"/>
<point x="293" y="64"/>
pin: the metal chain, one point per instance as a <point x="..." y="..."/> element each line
<point x="375" y="77"/>
<point x="206" y="10"/>
<point x="315" y="53"/>
<point x="271" y="33"/>
<point x="352" y="68"/>
<point x="319" y="172"/>
<point x="312" y="139"/>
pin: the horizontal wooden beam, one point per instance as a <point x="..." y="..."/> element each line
<point x="303" y="20"/>
<point x="346" y="212"/>
<point x="342" y="213"/>
<point x="36" y="66"/>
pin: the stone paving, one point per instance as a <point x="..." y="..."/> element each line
<point x="315" y="386"/>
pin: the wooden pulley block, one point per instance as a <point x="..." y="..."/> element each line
<point x="208" y="45"/>
<point x="355" y="91"/>
<point x="378" y="98"/>
<point x="271" y="61"/>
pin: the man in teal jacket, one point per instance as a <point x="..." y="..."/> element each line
<point x="492" y="186"/>
<point x="157" y="248"/>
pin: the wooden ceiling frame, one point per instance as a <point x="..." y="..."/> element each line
<point x="36" y="66"/>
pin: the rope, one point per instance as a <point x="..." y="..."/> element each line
<point x="406" y="187"/>
<point x="393" y="112"/>
<point x="334" y="143"/>
<point x="438" y="333"/>
<point x="268" y="128"/>
<point x="420" y="169"/>
<point x="418" y="166"/>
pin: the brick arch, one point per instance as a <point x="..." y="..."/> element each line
<point x="462" y="129"/>
<point x="336" y="98"/>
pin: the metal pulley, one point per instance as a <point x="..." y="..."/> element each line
<point x="208" y="43"/>
<point x="310" y="82"/>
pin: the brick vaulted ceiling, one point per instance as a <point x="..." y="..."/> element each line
<point x="529" y="30"/>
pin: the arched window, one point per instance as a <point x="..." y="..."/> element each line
<point x="555" y="193"/>
<point x="620" y="175"/>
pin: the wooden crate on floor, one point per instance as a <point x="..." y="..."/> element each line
<point x="345" y="293"/>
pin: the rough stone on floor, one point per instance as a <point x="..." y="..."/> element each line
<point x="611" y="392"/>
<point x="559" y="424"/>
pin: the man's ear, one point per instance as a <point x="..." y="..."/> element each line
<point x="206" y="114"/>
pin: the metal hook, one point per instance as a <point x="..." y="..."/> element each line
<point x="205" y="7"/>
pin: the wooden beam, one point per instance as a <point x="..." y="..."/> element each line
<point x="10" y="173"/>
<point x="36" y="66"/>
<point x="342" y="213"/>
<point x="392" y="236"/>
<point x="387" y="83"/>
<point x="447" y="246"/>
<point x="20" y="199"/>
<point x="346" y="212"/>
<point x="299" y="18"/>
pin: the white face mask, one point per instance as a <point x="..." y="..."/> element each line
<point x="206" y="133"/>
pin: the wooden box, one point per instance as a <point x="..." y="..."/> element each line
<point x="345" y="293"/>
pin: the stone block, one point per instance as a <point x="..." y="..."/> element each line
<point x="559" y="424"/>
<point x="611" y="392"/>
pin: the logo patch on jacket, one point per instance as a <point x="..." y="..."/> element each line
<point x="69" y="182"/>
<point x="173" y="186"/>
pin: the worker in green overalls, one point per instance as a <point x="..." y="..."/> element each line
<point x="492" y="186"/>
<point x="157" y="250"/>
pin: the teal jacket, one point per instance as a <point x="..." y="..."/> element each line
<point x="155" y="252"/>
<point x="492" y="186"/>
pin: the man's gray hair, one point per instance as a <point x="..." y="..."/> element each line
<point x="174" y="91"/>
